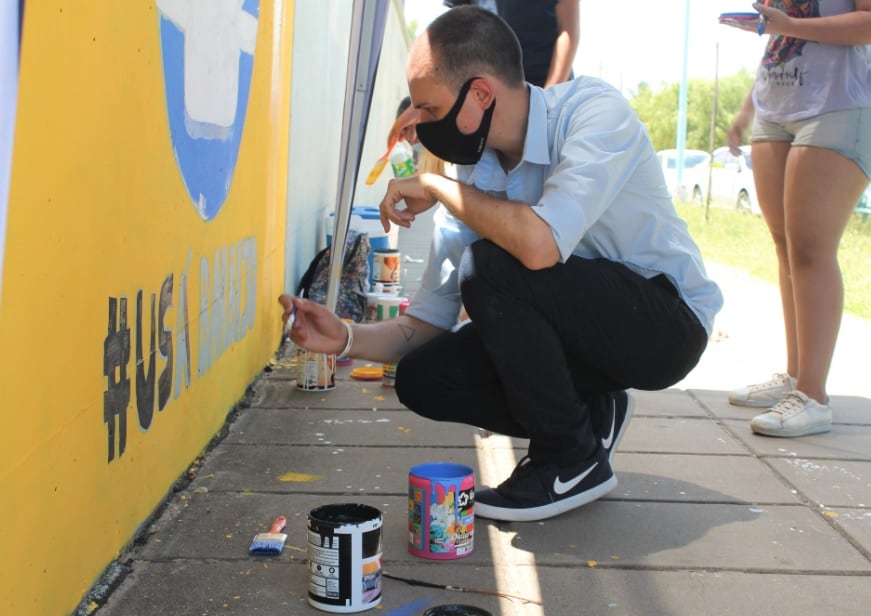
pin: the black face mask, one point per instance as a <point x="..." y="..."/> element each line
<point x="445" y="140"/>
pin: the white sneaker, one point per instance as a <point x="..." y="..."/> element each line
<point x="763" y="395"/>
<point x="794" y="415"/>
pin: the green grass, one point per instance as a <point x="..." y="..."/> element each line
<point x="742" y="240"/>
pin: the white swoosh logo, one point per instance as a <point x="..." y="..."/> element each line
<point x="561" y="488"/>
<point x="606" y="442"/>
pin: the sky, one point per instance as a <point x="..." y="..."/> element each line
<point x="626" y="43"/>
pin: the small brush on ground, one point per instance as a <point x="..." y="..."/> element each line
<point x="272" y="542"/>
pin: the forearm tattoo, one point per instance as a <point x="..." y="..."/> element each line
<point x="407" y="331"/>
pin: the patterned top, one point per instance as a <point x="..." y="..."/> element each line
<point x="799" y="79"/>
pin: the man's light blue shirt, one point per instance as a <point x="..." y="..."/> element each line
<point x="589" y="170"/>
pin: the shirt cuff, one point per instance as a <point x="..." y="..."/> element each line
<point x="437" y="310"/>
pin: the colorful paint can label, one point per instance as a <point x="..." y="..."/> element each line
<point x="385" y="266"/>
<point x="441" y="510"/>
<point x="344" y="557"/>
<point x="315" y="371"/>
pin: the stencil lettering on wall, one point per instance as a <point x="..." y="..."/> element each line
<point x="227" y="303"/>
<point x="164" y="383"/>
<point x="144" y="380"/>
<point x="183" y="360"/>
<point x="116" y="355"/>
<point x="228" y="295"/>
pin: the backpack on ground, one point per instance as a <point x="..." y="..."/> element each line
<point x="354" y="283"/>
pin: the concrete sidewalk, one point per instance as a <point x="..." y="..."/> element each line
<point x="707" y="517"/>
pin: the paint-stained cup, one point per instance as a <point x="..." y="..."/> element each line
<point x="382" y="306"/>
<point x="315" y="371"/>
<point x="385" y="266"/>
<point x="441" y="510"/>
<point x="344" y="557"/>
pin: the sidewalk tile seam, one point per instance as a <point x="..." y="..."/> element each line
<point x="405" y="561"/>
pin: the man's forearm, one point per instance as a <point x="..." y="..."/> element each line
<point x="388" y="341"/>
<point x="512" y="225"/>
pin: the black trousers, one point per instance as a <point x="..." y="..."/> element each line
<point x="545" y="347"/>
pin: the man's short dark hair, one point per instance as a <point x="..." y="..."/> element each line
<point x="468" y="40"/>
<point x="404" y="104"/>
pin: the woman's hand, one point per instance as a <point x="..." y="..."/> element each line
<point x="775" y="20"/>
<point x="313" y="326"/>
<point x="415" y="191"/>
<point x="735" y="137"/>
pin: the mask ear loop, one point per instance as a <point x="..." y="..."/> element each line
<point x="454" y="111"/>
<point x="461" y="98"/>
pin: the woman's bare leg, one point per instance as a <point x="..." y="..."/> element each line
<point x="769" y="171"/>
<point x="821" y="188"/>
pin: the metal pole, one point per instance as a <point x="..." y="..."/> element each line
<point x="682" y="100"/>
<point x="367" y="30"/>
<point x="9" y="43"/>
<point x="713" y="136"/>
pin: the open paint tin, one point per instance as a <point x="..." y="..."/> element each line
<point x="315" y="371"/>
<point x="344" y="557"/>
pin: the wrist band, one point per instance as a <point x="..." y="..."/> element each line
<point x="350" y="342"/>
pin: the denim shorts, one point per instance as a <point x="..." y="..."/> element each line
<point x="847" y="132"/>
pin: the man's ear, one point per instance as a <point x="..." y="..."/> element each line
<point x="482" y="93"/>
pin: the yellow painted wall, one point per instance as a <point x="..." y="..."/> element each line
<point x="98" y="213"/>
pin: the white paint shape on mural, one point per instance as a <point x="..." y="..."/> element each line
<point x="9" y="88"/>
<point x="215" y="33"/>
<point x="208" y="51"/>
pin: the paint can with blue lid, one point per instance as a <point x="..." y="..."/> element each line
<point x="441" y="510"/>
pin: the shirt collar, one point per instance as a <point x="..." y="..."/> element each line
<point x="488" y="173"/>
<point x="535" y="147"/>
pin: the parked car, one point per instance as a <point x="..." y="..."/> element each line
<point x="694" y="176"/>
<point x="863" y="208"/>
<point x="732" y="180"/>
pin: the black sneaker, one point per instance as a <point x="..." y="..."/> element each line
<point x="536" y="492"/>
<point x="618" y="410"/>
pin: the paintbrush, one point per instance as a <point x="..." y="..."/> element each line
<point x="270" y="543"/>
<point x="405" y="119"/>
<point x="378" y="168"/>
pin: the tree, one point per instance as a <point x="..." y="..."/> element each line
<point x="658" y="110"/>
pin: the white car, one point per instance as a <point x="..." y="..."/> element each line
<point x="732" y="182"/>
<point x="694" y="178"/>
<point x="863" y="208"/>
